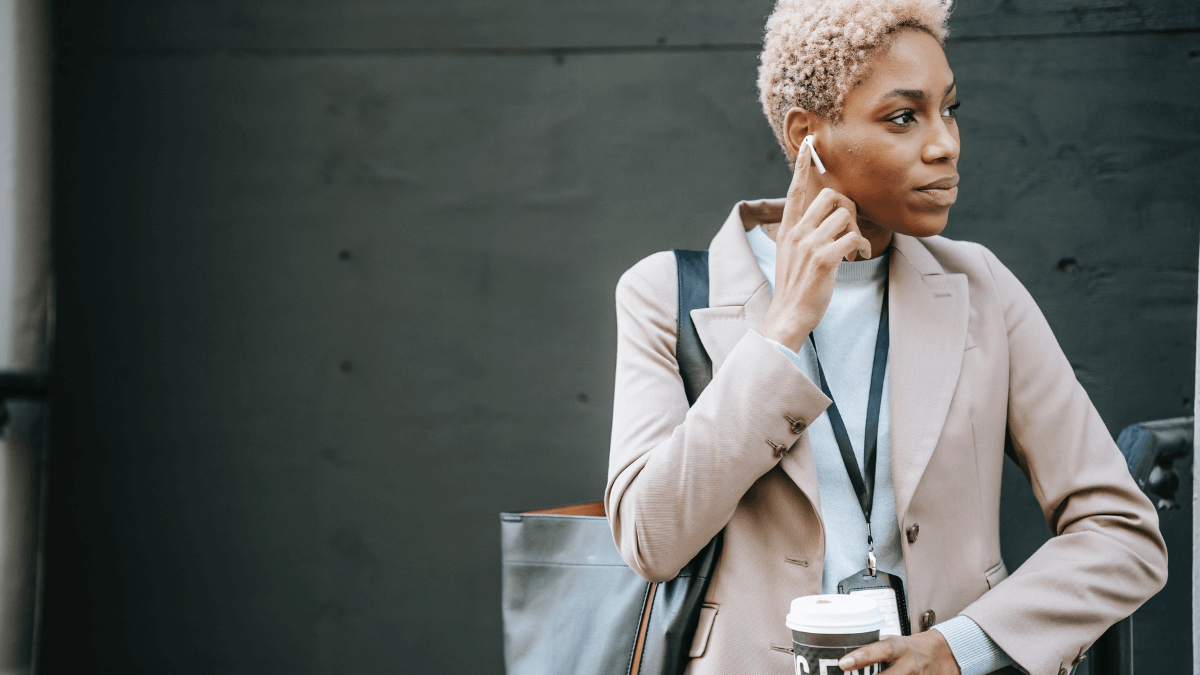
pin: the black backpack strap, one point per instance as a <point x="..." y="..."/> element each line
<point x="694" y="365"/>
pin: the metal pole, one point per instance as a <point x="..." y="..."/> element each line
<point x="26" y="318"/>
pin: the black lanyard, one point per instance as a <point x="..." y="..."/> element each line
<point x="865" y="489"/>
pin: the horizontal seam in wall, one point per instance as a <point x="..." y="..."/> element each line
<point x="542" y="563"/>
<point x="368" y="52"/>
<point x="400" y="52"/>
<point x="1080" y="34"/>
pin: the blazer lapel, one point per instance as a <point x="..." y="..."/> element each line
<point x="738" y="293"/>
<point x="929" y="310"/>
<point x="721" y="328"/>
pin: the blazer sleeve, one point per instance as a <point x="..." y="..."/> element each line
<point x="676" y="474"/>
<point x="1107" y="556"/>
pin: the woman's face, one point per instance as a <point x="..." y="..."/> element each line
<point x="895" y="151"/>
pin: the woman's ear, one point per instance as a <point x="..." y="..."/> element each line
<point x="797" y="125"/>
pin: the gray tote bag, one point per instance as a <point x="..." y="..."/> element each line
<point x="571" y="604"/>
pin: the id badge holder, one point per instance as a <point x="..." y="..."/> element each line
<point x="888" y="591"/>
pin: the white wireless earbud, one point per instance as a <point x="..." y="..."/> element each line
<point x="812" y="150"/>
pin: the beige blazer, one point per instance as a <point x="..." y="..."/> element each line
<point x="972" y="360"/>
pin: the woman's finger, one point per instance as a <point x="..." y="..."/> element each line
<point x="844" y="223"/>
<point x="793" y="207"/>
<point x="836" y="224"/>
<point x="850" y="242"/>
<point x="839" y="220"/>
<point x="876" y="652"/>
<point x="825" y="203"/>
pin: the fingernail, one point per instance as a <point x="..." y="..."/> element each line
<point x="846" y="664"/>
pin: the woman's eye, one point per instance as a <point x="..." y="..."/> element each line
<point x="949" y="112"/>
<point x="904" y="118"/>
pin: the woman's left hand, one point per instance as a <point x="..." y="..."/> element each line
<point x="926" y="653"/>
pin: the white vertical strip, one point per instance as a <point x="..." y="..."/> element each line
<point x="9" y="63"/>
<point x="10" y="546"/>
<point x="25" y="316"/>
<point x="26" y="288"/>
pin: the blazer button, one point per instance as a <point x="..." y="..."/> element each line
<point x="929" y="618"/>
<point x="1062" y="671"/>
<point x="798" y="425"/>
<point x="779" y="448"/>
<point x="913" y="532"/>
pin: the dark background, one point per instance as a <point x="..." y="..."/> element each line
<point x="336" y="287"/>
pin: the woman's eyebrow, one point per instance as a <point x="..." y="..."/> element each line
<point x="915" y="94"/>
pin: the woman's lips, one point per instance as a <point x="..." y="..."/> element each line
<point x="939" y="196"/>
<point x="941" y="192"/>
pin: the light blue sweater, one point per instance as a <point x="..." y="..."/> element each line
<point x="846" y="336"/>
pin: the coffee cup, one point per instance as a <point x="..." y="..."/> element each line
<point x="827" y="627"/>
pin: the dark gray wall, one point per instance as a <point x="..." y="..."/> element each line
<point x="336" y="287"/>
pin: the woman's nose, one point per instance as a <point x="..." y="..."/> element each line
<point x="942" y="145"/>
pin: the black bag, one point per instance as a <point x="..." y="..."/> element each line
<point x="571" y="604"/>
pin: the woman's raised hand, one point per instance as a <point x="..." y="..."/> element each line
<point x="809" y="245"/>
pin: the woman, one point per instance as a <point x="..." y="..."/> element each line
<point x="797" y="289"/>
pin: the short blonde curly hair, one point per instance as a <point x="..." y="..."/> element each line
<point x="815" y="49"/>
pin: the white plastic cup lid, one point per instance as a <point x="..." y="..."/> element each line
<point x="835" y="614"/>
